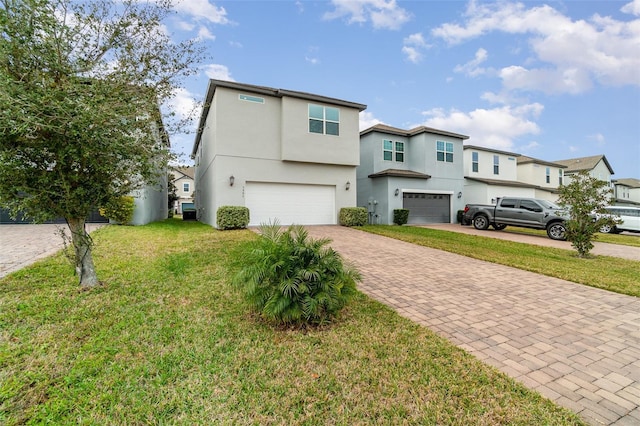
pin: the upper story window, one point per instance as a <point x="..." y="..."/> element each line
<point x="496" y="164"/>
<point x="474" y="162"/>
<point x="560" y="176"/>
<point x="548" y="175"/>
<point x="250" y="98"/>
<point x="324" y="120"/>
<point x="444" y="151"/>
<point x="186" y="187"/>
<point x="393" y="150"/>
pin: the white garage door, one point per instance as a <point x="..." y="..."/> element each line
<point x="290" y="203"/>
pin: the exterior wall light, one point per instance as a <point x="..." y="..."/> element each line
<point x="231" y="180"/>
<point x="459" y="194"/>
<point x="397" y="192"/>
<point x="347" y="185"/>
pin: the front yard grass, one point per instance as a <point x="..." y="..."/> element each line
<point x="632" y="240"/>
<point x="167" y="341"/>
<point x="605" y="272"/>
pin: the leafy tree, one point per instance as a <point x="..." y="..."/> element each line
<point x="80" y="87"/>
<point x="585" y="199"/>
<point x="120" y="209"/>
<point x="290" y="278"/>
<point x="172" y="191"/>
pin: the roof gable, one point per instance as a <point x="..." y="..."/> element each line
<point x="383" y="128"/>
<point x="584" y="163"/>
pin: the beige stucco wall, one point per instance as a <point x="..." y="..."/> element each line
<point x="270" y="142"/>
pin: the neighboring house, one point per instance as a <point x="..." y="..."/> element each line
<point x="597" y="166"/>
<point x="419" y="169"/>
<point x="545" y="175"/>
<point x="286" y="155"/>
<point x="183" y="179"/>
<point x="151" y="199"/>
<point x="626" y="192"/>
<point x="490" y="174"/>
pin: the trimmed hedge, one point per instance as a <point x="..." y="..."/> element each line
<point x="232" y="217"/>
<point x="353" y="216"/>
<point x="400" y="216"/>
<point x="119" y="209"/>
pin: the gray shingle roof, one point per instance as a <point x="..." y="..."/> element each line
<point x="584" y="163"/>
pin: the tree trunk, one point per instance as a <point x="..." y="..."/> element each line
<point x="85" y="269"/>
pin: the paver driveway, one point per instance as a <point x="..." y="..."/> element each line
<point x="577" y="345"/>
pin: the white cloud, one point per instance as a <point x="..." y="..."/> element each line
<point x="574" y="54"/>
<point x="218" y="72"/>
<point x="632" y="8"/>
<point x="383" y="14"/>
<point x="413" y="46"/>
<point x="550" y="81"/>
<point x="472" y="67"/>
<point x="494" y="128"/>
<point x="205" y="34"/>
<point x="367" y="120"/>
<point x="599" y="139"/>
<point x="311" y="60"/>
<point x="202" y="9"/>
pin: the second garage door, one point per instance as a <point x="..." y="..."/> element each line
<point x="427" y="208"/>
<point x="290" y="203"/>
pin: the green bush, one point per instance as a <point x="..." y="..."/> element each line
<point x="119" y="210"/>
<point x="353" y="216"/>
<point x="400" y="216"/>
<point x="291" y="279"/>
<point x="232" y="217"/>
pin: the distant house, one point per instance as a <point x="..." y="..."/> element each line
<point x="627" y="191"/>
<point x="490" y="174"/>
<point x="286" y="155"/>
<point x="183" y="179"/>
<point x="419" y="169"/>
<point x="597" y="166"/>
<point x="547" y="176"/>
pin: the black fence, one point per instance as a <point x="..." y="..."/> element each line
<point x="5" y="218"/>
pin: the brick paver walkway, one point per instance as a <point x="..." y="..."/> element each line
<point x="577" y="345"/>
<point x="21" y="245"/>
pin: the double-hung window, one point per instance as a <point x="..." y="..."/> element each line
<point x="474" y="161"/>
<point x="393" y="151"/>
<point x="548" y="175"/>
<point x="185" y="187"/>
<point x="444" y="151"/>
<point x="324" y="120"/>
<point x="560" y="176"/>
<point x="496" y="164"/>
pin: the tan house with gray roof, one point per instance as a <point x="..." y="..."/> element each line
<point x="597" y="165"/>
<point x="627" y="191"/>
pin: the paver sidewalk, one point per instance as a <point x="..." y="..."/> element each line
<point x="21" y="245"/>
<point x="576" y="345"/>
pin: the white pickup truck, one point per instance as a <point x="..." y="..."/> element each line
<point x="524" y="212"/>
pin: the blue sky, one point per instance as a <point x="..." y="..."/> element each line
<point x="552" y="80"/>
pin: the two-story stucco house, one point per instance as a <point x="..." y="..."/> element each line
<point x="627" y="192"/>
<point x="546" y="176"/>
<point x="419" y="169"/>
<point x="597" y="166"/>
<point x="185" y="187"/>
<point x="491" y="174"/>
<point x="286" y="155"/>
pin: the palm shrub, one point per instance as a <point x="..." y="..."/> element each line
<point x="292" y="279"/>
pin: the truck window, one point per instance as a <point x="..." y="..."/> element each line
<point x="530" y="205"/>
<point x="508" y="203"/>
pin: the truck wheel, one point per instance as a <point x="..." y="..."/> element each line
<point x="499" y="226"/>
<point x="557" y="231"/>
<point x="481" y="222"/>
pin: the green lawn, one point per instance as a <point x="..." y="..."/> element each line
<point x="167" y="341"/>
<point x="632" y="240"/>
<point x="609" y="273"/>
